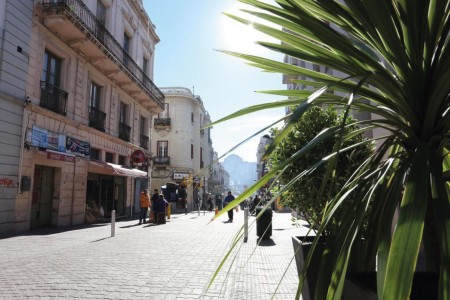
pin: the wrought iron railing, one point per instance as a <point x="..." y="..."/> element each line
<point x="124" y="132"/>
<point x="53" y="98"/>
<point x="83" y="17"/>
<point x="162" y="122"/>
<point x="144" y="141"/>
<point x="97" y="118"/>
<point x="161" y="160"/>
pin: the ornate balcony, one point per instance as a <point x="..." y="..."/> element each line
<point x="53" y="98"/>
<point x="77" y="26"/>
<point x="97" y="119"/>
<point x="162" y="123"/>
<point x="144" y="141"/>
<point x="124" y="132"/>
<point x="161" y="160"/>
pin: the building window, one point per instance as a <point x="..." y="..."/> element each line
<point x="96" y="116"/>
<point x="192" y="151"/>
<point x="123" y="113"/>
<point x="124" y="129"/>
<point x="51" y="71"/>
<point x="144" y="139"/>
<point x="192" y="117"/>
<point x="165" y="113"/>
<point x="109" y="157"/>
<point x="126" y="48"/>
<point x="145" y="65"/>
<point x="126" y="42"/>
<point x="52" y="97"/>
<point x="143" y="125"/>
<point x="101" y="12"/>
<point x="162" y="148"/>
<point x="94" y="96"/>
<point x="94" y="154"/>
<point x="122" y="160"/>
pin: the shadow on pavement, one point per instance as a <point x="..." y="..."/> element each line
<point x="53" y="230"/>
<point x="129" y="226"/>
<point x="265" y="242"/>
<point x="100" y="239"/>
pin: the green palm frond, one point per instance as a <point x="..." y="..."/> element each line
<point x="392" y="58"/>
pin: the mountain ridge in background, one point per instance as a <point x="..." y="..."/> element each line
<point x="242" y="173"/>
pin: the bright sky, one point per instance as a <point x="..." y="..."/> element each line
<point x="190" y="31"/>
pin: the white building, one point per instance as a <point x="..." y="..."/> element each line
<point x="183" y="150"/>
<point x="85" y="143"/>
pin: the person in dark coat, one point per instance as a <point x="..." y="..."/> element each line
<point x="226" y="202"/>
<point x="160" y="206"/>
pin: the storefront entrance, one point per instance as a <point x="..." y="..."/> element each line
<point x="42" y="197"/>
<point x="104" y="193"/>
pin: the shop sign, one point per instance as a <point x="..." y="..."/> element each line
<point x="60" y="156"/>
<point x="138" y="156"/>
<point x="180" y="176"/>
<point x="43" y="138"/>
<point x="77" y="147"/>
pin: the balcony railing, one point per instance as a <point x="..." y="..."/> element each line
<point x="162" y="122"/>
<point x="124" y="132"/>
<point x="161" y="160"/>
<point x="97" y="119"/>
<point x="83" y="16"/>
<point x="53" y="98"/>
<point x="144" y="141"/>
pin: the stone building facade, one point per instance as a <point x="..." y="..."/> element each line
<point x="85" y="145"/>
<point x="183" y="150"/>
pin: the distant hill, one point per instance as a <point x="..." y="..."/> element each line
<point x="242" y="173"/>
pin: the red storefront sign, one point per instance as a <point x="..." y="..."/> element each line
<point x="138" y="156"/>
<point x="60" y="156"/>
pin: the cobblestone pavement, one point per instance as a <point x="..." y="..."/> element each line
<point x="172" y="261"/>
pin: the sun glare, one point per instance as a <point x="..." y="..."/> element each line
<point x="239" y="37"/>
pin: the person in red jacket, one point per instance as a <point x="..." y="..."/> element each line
<point x="144" y="200"/>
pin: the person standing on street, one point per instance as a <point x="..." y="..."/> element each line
<point x="226" y="202"/>
<point x="154" y="199"/>
<point x="144" y="200"/>
<point x="160" y="208"/>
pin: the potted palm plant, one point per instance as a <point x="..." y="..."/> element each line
<point x="306" y="195"/>
<point x="393" y="61"/>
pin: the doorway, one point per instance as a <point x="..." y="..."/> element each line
<point x="42" y="196"/>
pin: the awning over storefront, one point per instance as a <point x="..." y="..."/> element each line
<point x="127" y="172"/>
<point x="113" y="169"/>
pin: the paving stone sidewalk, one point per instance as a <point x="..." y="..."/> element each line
<point x="172" y="261"/>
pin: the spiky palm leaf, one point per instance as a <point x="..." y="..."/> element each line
<point x="400" y="50"/>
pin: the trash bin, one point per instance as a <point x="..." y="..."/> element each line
<point x="264" y="223"/>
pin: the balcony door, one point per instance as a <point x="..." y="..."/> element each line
<point x="165" y="113"/>
<point x="162" y="148"/>
<point x="51" y="71"/>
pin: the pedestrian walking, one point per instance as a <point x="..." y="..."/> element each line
<point x="144" y="200"/>
<point x="228" y="199"/>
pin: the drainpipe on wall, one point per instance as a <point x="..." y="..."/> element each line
<point x="73" y="191"/>
<point x="22" y="147"/>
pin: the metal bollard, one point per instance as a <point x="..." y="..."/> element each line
<point x="169" y="210"/>
<point x="113" y="223"/>
<point x="245" y="224"/>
